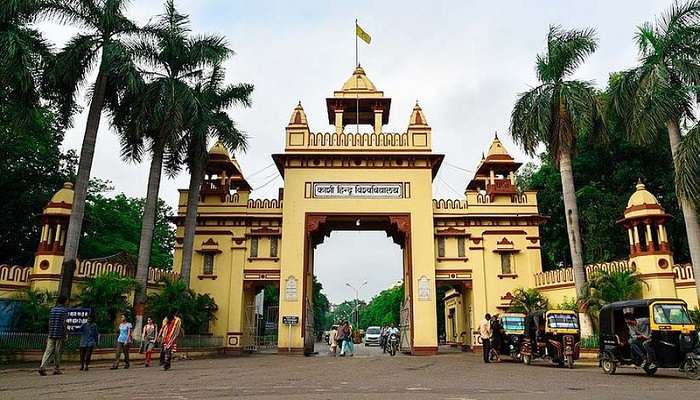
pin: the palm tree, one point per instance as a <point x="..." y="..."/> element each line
<point x="26" y="55"/>
<point x="210" y="120"/>
<point x="528" y="301"/>
<point x="558" y="113"/>
<point x="99" y="45"/>
<point x="159" y="111"/>
<point x="661" y="93"/>
<point x="604" y="287"/>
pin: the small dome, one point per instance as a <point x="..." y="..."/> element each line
<point x="497" y="148"/>
<point x="417" y="116"/>
<point x="298" y="116"/>
<point x="219" y="148"/>
<point x="64" y="195"/>
<point x="642" y="197"/>
<point x="359" y="82"/>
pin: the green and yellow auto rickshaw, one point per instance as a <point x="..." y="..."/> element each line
<point x="510" y="335"/>
<point x="554" y="335"/>
<point x="674" y="339"/>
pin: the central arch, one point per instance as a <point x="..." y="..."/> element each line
<point x="318" y="226"/>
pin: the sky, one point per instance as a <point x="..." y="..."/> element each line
<point x="464" y="61"/>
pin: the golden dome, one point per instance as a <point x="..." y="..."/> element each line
<point x="359" y="82"/>
<point x="642" y="197"/>
<point x="219" y="148"/>
<point x="64" y="195"/>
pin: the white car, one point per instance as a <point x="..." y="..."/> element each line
<point x="373" y="336"/>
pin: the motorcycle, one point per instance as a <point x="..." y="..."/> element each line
<point x="393" y="344"/>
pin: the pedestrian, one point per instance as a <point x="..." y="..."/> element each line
<point x="148" y="340"/>
<point x="56" y="337"/>
<point x="170" y="332"/>
<point x="123" y="342"/>
<point x="485" y="335"/>
<point x="348" y="346"/>
<point x="89" y="337"/>
<point x="340" y="337"/>
<point x="332" y="335"/>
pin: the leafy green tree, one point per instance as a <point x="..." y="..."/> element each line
<point x="33" y="313"/>
<point x="107" y="295"/>
<point x="528" y="301"/>
<point x="210" y="120"/>
<point x="346" y="311"/>
<point x="33" y="168"/>
<point x="384" y="308"/>
<point x="321" y="308"/>
<point x="605" y="193"/>
<point x="158" y="111"/>
<point x="557" y="113"/>
<point x="99" y="45"/>
<point x="113" y="225"/>
<point x="569" y="304"/>
<point x="196" y="310"/>
<point x="662" y="92"/>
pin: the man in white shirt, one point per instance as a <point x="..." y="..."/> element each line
<point x="485" y="335"/>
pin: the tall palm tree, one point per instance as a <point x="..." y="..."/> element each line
<point x="99" y="44"/>
<point x="558" y="113"/>
<point x="661" y="93"/>
<point x="160" y="110"/>
<point x="210" y="120"/>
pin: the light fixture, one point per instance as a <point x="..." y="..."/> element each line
<point x="357" y="222"/>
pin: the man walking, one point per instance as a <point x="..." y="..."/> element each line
<point x="57" y="334"/>
<point x="485" y="335"/>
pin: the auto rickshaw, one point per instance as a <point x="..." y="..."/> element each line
<point x="673" y="336"/>
<point x="554" y="335"/>
<point x="511" y="335"/>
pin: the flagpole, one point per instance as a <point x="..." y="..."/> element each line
<point x="357" y="78"/>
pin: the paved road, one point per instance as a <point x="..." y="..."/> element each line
<point x="366" y="376"/>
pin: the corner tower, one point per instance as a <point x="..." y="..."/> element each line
<point x="650" y="256"/>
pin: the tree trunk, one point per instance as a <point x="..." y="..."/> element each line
<point x="87" y="152"/>
<point x="574" y="233"/>
<point x="572" y="225"/>
<point x="196" y="176"/>
<point x="690" y="215"/>
<point x="147" y="225"/>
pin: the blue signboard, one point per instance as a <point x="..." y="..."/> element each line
<point x="76" y="317"/>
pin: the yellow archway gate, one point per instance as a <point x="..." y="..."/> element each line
<point x="484" y="245"/>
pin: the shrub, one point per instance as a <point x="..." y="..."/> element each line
<point x="33" y="313"/>
<point x="528" y="301"/>
<point x="196" y="310"/>
<point x="568" y="304"/>
<point x="107" y="294"/>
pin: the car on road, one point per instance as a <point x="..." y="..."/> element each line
<point x="373" y="336"/>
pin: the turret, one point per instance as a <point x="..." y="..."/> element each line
<point x="650" y="255"/>
<point x="49" y="254"/>
<point x="496" y="171"/>
<point x="358" y="102"/>
<point x="419" y="132"/>
<point x="223" y="179"/>
<point x="297" y="130"/>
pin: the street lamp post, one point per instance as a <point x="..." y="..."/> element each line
<point x="357" y="301"/>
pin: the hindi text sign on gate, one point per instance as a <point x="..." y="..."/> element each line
<point x="362" y="190"/>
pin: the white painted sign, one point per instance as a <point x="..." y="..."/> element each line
<point x="364" y="190"/>
<point x="290" y="289"/>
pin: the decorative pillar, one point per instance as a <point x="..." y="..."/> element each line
<point x="630" y="236"/>
<point x="637" y="246"/>
<point x="378" y="120"/>
<point x="650" y="241"/>
<point x="492" y="177"/>
<point x="511" y="175"/>
<point x="338" y="120"/>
